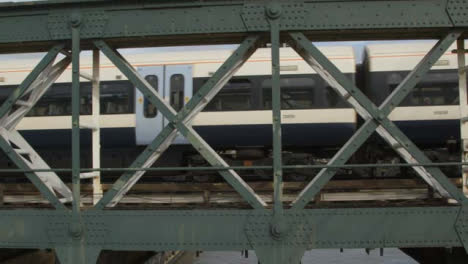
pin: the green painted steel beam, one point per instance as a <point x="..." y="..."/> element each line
<point x="232" y="229"/>
<point x="75" y="107"/>
<point x="274" y="13"/>
<point x="146" y="23"/>
<point x="74" y="252"/>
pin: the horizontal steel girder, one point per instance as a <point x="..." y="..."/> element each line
<point x="233" y="229"/>
<point x="167" y="22"/>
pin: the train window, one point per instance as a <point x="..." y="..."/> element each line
<point x="236" y="95"/>
<point x="5" y="91"/>
<point x="177" y="91"/>
<point x="116" y="97"/>
<point x="432" y="94"/>
<point x="296" y="93"/>
<point x="57" y="101"/>
<point x="149" y="110"/>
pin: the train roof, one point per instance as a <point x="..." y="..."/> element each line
<point x="398" y="48"/>
<point x="194" y="56"/>
<point x="404" y="56"/>
<point x="12" y="70"/>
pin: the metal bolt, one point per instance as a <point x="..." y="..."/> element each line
<point x="75" y="230"/>
<point x="75" y="20"/>
<point x="274" y="11"/>
<point x="278" y="229"/>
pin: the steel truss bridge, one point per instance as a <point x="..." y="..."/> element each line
<point x="279" y="232"/>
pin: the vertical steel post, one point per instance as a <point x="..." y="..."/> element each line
<point x="274" y="12"/>
<point x="2" y="194"/>
<point x="463" y="109"/>
<point x="75" y="251"/>
<point x="96" y="132"/>
<point x="75" y="98"/>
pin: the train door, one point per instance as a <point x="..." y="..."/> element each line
<point x="178" y="89"/>
<point x="174" y="84"/>
<point x="148" y="119"/>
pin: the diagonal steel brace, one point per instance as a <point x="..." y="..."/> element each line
<point x="181" y="122"/>
<point x="376" y="119"/>
<point x="36" y="91"/>
<point x="22" y="107"/>
<point x="14" y="145"/>
<point x="21" y="147"/>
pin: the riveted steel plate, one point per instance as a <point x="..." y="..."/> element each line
<point x="166" y="230"/>
<point x="58" y="229"/>
<point x="376" y="14"/>
<point x="384" y="227"/>
<point x="95" y="231"/>
<point x="226" y="229"/>
<point x="458" y="12"/>
<point x="221" y="21"/>
<point x="462" y="226"/>
<point x="299" y="232"/>
<point x="175" y="21"/>
<point x="24" y="228"/>
<point x="92" y="25"/>
<point x="293" y="16"/>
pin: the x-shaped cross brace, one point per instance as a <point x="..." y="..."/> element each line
<point x="17" y="105"/>
<point x="180" y="122"/>
<point x="376" y="118"/>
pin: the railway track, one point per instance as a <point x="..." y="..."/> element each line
<point x="214" y="194"/>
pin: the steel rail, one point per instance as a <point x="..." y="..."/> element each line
<point x="285" y="167"/>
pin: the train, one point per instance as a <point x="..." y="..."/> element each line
<point x="429" y="115"/>
<point x="316" y="121"/>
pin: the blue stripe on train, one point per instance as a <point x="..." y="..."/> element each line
<point x="319" y="135"/>
<point x="430" y="132"/>
<point x="219" y="136"/>
<point x="424" y="133"/>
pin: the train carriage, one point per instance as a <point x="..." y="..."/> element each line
<point x="237" y="122"/>
<point x="430" y="114"/>
<point x="244" y="102"/>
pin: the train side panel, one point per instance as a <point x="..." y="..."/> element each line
<point x="429" y="115"/>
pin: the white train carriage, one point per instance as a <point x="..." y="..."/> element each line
<point x="240" y="115"/>
<point x="430" y="114"/>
